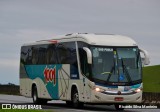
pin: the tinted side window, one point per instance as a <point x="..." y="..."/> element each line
<point x="51" y="57"/>
<point x="34" y="54"/>
<point x="42" y="54"/>
<point x="26" y="55"/>
<point x="63" y="53"/>
<point x="67" y="53"/>
<point x="38" y="54"/>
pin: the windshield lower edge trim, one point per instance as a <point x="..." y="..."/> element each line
<point x="117" y="83"/>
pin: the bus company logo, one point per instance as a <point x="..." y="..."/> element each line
<point x="50" y="75"/>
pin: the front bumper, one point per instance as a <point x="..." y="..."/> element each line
<point x="99" y="97"/>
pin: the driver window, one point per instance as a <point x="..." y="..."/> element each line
<point x="85" y="68"/>
<point x="83" y="62"/>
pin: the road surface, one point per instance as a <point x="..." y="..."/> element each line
<point x="60" y="106"/>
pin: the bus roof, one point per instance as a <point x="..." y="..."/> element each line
<point x="92" y="39"/>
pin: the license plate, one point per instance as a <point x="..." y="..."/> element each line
<point x="118" y="99"/>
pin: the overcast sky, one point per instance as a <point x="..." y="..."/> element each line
<point x="23" y="21"/>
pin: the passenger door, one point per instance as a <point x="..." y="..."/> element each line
<point x="84" y="66"/>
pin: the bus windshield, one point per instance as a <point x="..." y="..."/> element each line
<point x="116" y="66"/>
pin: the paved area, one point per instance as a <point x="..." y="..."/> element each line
<point x="60" y="106"/>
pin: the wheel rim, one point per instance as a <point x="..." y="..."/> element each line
<point x="75" y="98"/>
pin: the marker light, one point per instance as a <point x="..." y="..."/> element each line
<point x="53" y="41"/>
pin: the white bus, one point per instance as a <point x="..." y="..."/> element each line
<point x="83" y="68"/>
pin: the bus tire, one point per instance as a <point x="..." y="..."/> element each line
<point x="75" y="99"/>
<point x="35" y="98"/>
<point x="117" y="107"/>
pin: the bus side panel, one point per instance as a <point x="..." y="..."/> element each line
<point x="47" y="77"/>
<point x="68" y="78"/>
<point x="63" y="81"/>
<point x="24" y="90"/>
<point x="47" y="86"/>
<point x="41" y="88"/>
<point x="26" y="83"/>
<point x="22" y="86"/>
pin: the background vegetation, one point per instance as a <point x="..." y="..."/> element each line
<point x="151" y="79"/>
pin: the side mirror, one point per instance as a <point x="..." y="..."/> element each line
<point x="145" y="59"/>
<point x="89" y="55"/>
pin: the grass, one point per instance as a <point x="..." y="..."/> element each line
<point x="151" y="78"/>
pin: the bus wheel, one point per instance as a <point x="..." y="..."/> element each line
<point x="117" y="106"/>
<point x="35" y="98"/>
<point x="75" y="100"/>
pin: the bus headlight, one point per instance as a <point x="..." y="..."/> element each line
<point x="138" y="90"/>
<point x="99" y="89"/>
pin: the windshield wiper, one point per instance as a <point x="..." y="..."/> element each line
<point x="137" y="59"/>
<point x="112" y="69"/>
<point x="125" y="71"/>
<point x="110" y="74"/>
